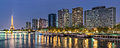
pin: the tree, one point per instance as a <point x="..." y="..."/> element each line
<point x="104" y="29"/>
<point x="117" y="27"/>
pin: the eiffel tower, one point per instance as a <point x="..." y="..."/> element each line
<point x="12" y="26"/>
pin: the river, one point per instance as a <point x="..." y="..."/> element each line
<point x="32" y="40"/>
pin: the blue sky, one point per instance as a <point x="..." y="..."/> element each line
<point x="25" y="10"/>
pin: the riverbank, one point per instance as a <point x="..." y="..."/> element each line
<point x="98" y="36"/>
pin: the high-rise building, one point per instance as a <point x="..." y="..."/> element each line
<point x="34" y="24"/>
<point x="56" y="21"/>
<point x="63" y="18"/>
<point x="43" y="23"/>
<point x="28" y="25"/>
<point x="100" y="17"/>
<point x="77" y="17"/>
<point x="70" y="19"/>
<point x="52" y="20"/>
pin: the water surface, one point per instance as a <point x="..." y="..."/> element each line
<point x="33" y="40"/>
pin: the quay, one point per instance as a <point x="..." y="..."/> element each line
<point x="96" y="36"/>
<point x="108" y="36"/>
<point x="69" y="35"/>
<point x="77" y="35"/>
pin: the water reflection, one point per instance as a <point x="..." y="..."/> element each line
<point x="33" y="40"/>
<point x="85" y="43"/>
<point x="95" y="43"/>
<point x="70" y="43"/>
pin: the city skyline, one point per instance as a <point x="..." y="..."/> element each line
<point x="59" y="24"/>
<point x="23" y="9"/>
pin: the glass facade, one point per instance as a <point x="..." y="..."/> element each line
<point x="52" y="20"/>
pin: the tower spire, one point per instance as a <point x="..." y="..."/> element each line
<point x="11" y="20"/>
<point x="12" y="26"/>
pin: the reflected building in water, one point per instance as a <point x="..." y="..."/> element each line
<point x="27" y="40"/>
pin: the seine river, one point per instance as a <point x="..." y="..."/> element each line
<point x="33" y="40"/>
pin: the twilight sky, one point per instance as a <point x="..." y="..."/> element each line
<point x="25" y="10"/>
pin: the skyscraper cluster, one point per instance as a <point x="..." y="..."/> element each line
<point x="96" y="17"/>
<point x="67" y="19"/>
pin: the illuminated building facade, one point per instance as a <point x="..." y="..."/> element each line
<point x="52" y="20"/>
<point x="77" y="17"/>
<point x="28" y="25"/>
<point x="70" y="19"/>
<point x="63" y="18"/>
<point x="100" y="17"/>
<point x="67" y="20"/>
<point x="43" y="23"/>
<point x="34" y="24"/>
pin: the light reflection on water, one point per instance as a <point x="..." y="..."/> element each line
<point x="32" y="40"/>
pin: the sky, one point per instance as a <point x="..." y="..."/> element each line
<point x="26" y="10"/>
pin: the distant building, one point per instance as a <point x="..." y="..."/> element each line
<point x="28" y="25"/>
<point x="77" y="17"/>
<point x="46" y="25"/>
<point x="100" y="17"/>
<point x="56" y="21"/>
<point x="70" y="19"/>
<point x="43" y="23"/>
<point x="34" y="24"/>
<point x="52" y="20"/>
<point x="63" y="18"/>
